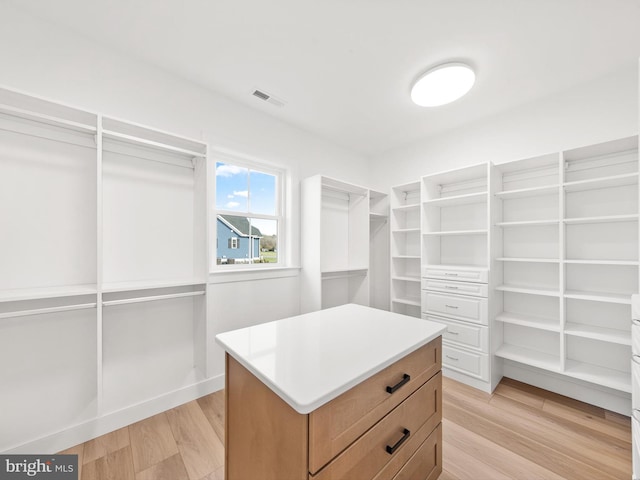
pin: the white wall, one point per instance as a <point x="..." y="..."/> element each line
<point x="41" y="59"/>
<point x="601" y="110"/>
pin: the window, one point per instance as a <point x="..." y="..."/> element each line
<point x="248" y="208"/>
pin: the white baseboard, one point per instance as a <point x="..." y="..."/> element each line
<point x="600" y="396"/>
<point x="467" y="380"/>
<point x="109" y="422"/>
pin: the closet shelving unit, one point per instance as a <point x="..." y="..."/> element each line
<point x="102" y="300"/>
<point x="567" y="283"/>
<point x="405" y="248"/>
<point x="455" y="245"/>
<point x="335" y="243"/>
<point x="379" y="249"/>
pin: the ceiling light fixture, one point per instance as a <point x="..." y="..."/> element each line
<point x="443" y="84"/>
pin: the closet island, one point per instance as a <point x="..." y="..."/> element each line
<point x="345" y="392"/>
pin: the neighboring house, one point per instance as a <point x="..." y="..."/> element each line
<point x="234" y="241"/>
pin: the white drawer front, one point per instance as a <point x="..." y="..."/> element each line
<point x="635" y="382"/>
<point x="635" y="337"/>
<point x="461" y="288"/>
<point x="452" y="273"/>
<point x="469" y="309"/>
<point x="470" y="363"/>
<point x="475" y="337"/>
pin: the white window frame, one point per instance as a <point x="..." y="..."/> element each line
<point x="281" y="176"/>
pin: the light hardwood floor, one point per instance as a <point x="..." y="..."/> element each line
<point x="518" y="432"/>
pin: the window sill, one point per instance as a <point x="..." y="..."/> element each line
<point x="252" y="273"/>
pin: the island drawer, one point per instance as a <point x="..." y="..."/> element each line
<point x="337" y="424"/>
<point x="426" y="463"/>
<point x="470" y="309"/>
<point x="383" y="450"/>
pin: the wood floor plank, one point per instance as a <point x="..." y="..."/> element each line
<point x="77" y="450"/>
<point x="151" y="441"/>
<point x="171" y="468"/>
<point x="116" y="465"/>
<point x="217" y="475"/>
<point x="213" y="407"/>
<point x="519" y="395"/>
<point x="200" y="447"/>
<point x="496" y="456"/>
<point x="464" y="466"/>
<point x="447" y="475"/>
<point x="579" y="417"/>
<point x="614" y="417"/>
<point x="105" y="444"/>
<point x="581" y="439"/>
<point x="522" y="444"/>
<point x="462" y="389"/>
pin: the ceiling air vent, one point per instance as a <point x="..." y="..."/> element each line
<point x="267" y="97"/>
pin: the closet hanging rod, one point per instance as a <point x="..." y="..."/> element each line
<point x="22" y="113"/>
<point x="150" y="158"/>
<point x="125" y="301"/>
<point x="39" y="311"/>
<point x="151" y="143"/>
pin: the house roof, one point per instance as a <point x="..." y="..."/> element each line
<point x="240" y="225"/>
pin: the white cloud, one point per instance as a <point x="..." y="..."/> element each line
<point x="230" y="195"/>
<point x="241" y="193"/>
<point x="224" y="170"/>
<point x="232" y="204"/>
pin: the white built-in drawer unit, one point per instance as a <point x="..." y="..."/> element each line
<point x="460" y="307"/>
<point x="462" y="334"/>
<point x="459" y="288"/>
<point x="467" y="362"/>
<point x="462" y="274"/>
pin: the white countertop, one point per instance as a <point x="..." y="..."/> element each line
<point x="310" y="359"/>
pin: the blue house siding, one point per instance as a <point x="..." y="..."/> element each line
<point x="224" y="233"/>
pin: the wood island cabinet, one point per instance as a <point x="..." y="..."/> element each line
<point x="386" y="426"/>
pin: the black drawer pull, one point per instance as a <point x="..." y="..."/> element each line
<point x="405" y="379"/>
<point x="405" y="435"/>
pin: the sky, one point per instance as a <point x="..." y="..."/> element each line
<point x="239" y="189"/>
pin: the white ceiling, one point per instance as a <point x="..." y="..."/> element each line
<point x="344" y="67"/>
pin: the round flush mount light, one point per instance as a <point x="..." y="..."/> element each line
<point x="443" y="84"/>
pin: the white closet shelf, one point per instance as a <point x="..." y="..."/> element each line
<point x="528" y="223"/>
<point x="335" y="274"/>
<point x="610" y="335"/>
<point x="599" y="296"/>
<point x="528" y="260"/>
<point x="602" y="182"/>
<point x="527" y="356"/>
<point x="406" y="230"/>
<point x="465" y="199"/>
<point x="343" y="187"/>
<point x="407" y="301"/>
<point x="529" y="290"/>
<point x="378" y="216"/>
<point x="602" y="219"/>
<point x="48" y="119"/>
<point x="407" y="257"/>
<point x="630" y="263"/>
<point x="131" y="139"/>
<point x="113" y="287"/>
<point x="46" y="292"/>
<point x="530" y="321"/>
<point x="455" y="233"/>
<point x="607" y="377"/>
<point x="529" y="192"/>
<point x="406" y="208"/>
<point x="407" y="279"/>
